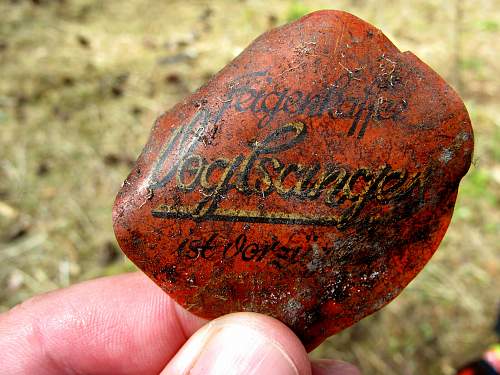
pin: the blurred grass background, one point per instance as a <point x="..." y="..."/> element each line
<point x="81" y="82"/>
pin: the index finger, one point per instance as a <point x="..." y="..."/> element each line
<point x="120" y="324"/>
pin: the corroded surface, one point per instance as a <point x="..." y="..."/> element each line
<point x="311" y="179"/>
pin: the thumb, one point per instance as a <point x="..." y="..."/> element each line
<point x="241" y="344"/>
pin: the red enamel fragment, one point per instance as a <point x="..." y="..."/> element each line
<point x="311" y="179"/>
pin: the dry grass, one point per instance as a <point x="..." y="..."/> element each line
<point x="81" y="82"/>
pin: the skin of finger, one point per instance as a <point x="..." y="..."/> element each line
<point x="332" y="367"/>
<point x="121" y="324"/>
<point x="269" y="328"/>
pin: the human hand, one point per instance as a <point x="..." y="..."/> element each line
<point x="126" y="325"/>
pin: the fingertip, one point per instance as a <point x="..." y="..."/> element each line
<point x="97" y="324"/>
<point x="242" y="343"/>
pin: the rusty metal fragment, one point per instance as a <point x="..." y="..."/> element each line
<point x="311" y="179"/>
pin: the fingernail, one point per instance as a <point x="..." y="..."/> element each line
<point x="331" y="367"/>
<point x="231" y="349"/>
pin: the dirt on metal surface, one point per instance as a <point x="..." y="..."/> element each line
<point x="311" y="179"/>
